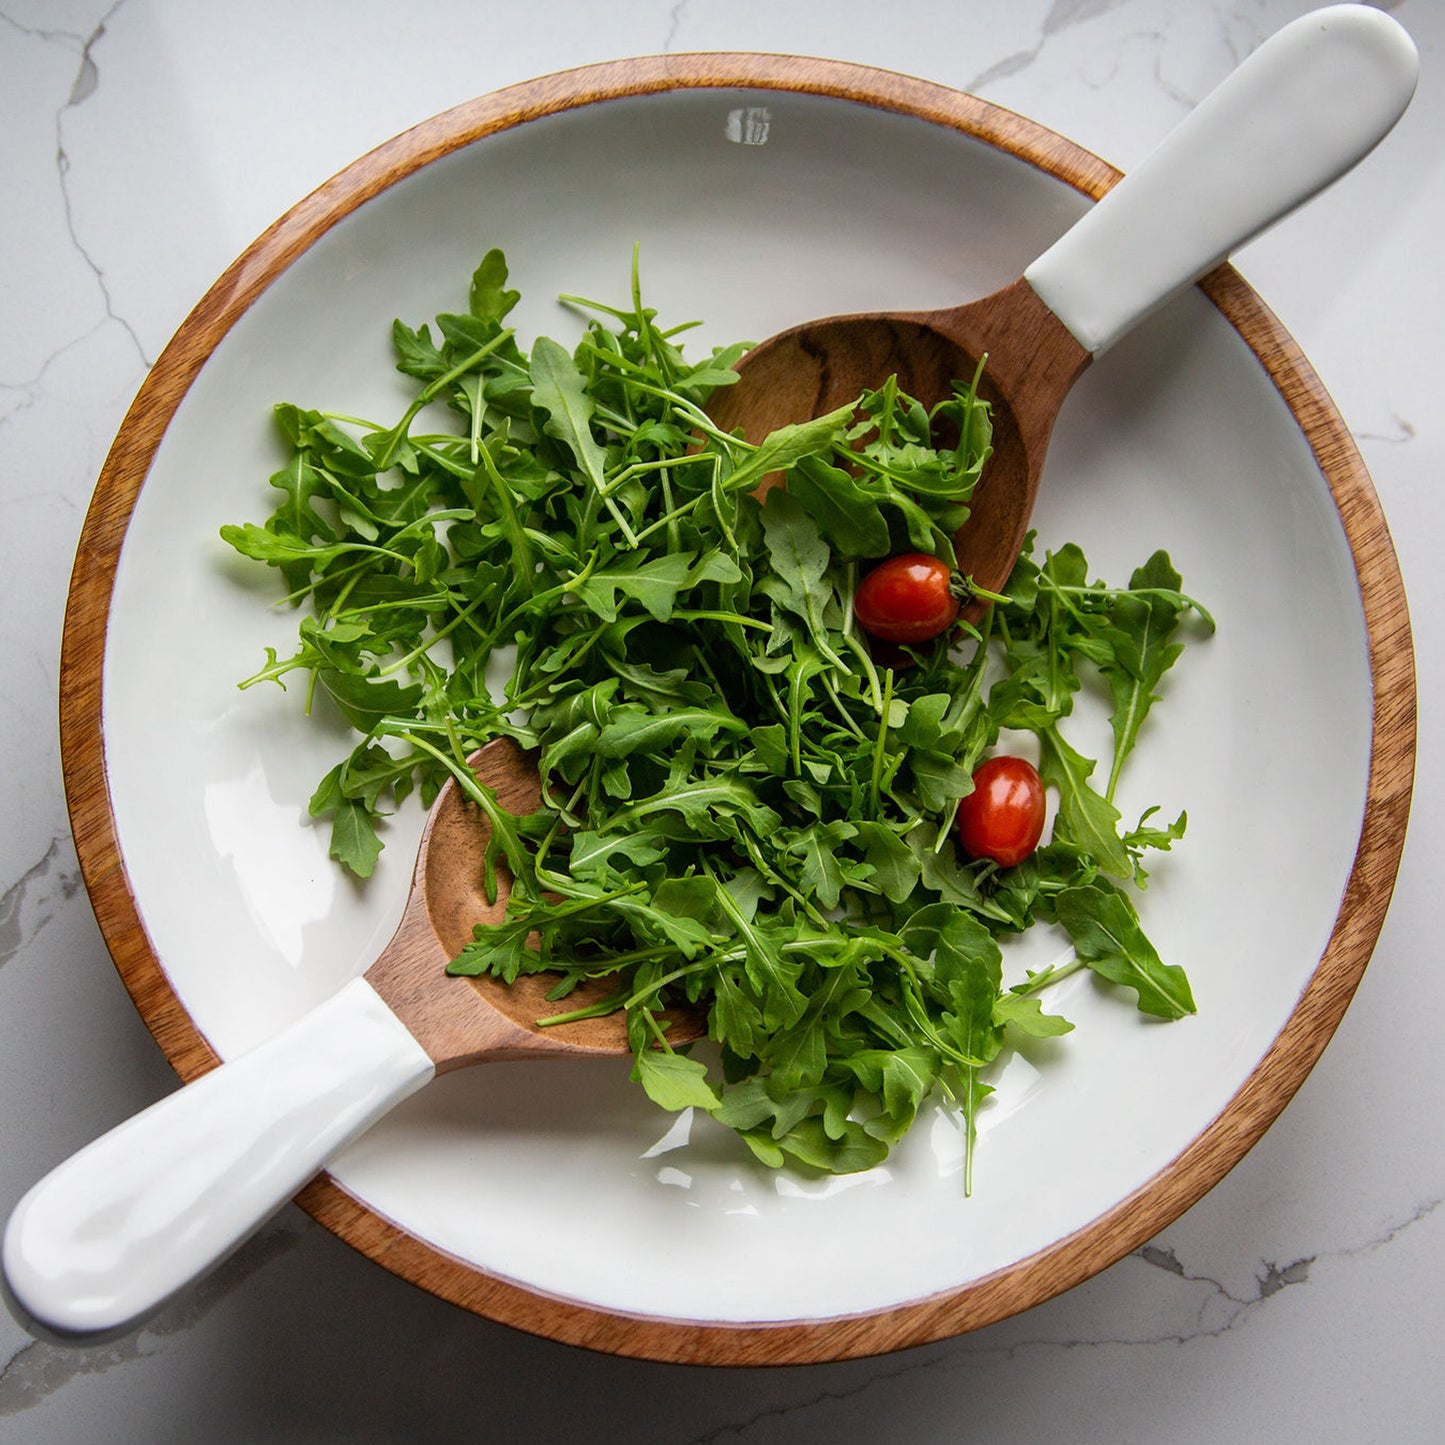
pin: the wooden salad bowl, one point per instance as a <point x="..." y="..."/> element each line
<point x="1201" y="1160"/>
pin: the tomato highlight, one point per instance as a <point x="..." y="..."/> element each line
<point x="1003" y="818"/>
<point x="908" y="598"/>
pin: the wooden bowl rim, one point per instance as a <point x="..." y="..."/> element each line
<point x="1067" y="1261"/>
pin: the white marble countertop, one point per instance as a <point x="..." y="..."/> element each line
<point x="146" y="142"/>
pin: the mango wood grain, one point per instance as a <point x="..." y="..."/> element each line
<point x="1070" y="1260"/>
<point x="1032" y="362"/>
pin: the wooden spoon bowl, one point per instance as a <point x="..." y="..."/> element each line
<point x="467" y="1020"/>
<point x="1031" y="362"/>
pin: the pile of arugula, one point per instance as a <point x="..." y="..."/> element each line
<point x="742" y="807"/>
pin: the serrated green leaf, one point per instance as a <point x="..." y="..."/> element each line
<point x="674" y="1081"/>
<point x="1028" y="1016"/>
<point x="788" y="445"/>
<point x="489" y="300"/>
<point x="502" y="949"/>
<point x="654" y="585"/>
<point x="1085" y="818"/>
<point x="559" y="388"/>
<point x="365" y="701"/>
<point x="895" y="867"/>
<point x="1107" y="936"/>
<point x="354" y="842"/>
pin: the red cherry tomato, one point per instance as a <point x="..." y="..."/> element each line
<point x="1003" y="818"/>
<point x="908" y="598"/>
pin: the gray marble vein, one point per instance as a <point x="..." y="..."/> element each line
<point x="29" y="903"/>
<point x="1401" y="431"/>
<point x="83" y="87"/>
<point x="674" y="22"/>
<point x="1272" y="1278"/>
<point x="1063" y="14"/>
<point x="23" y="393"/>
<point x="87" y="78"/>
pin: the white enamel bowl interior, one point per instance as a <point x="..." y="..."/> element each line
<point x="561" y="1177"/>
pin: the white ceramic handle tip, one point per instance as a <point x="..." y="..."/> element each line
<point x="1298" y="113"/>
<point x="111" y="1234"/>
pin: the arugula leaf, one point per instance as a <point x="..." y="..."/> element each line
<point x="789" y="445"/>
<point x="353" y="838"/>
<point x="654" y="585"/>
<point x="1028" y="1016"/>
<point x="853" y="1150"/>
<point x="560" y="389"/>
<point x="799" y="559"/>
<point x="673" y="1081"/>
<point x="364" y="701"/>
<point x="845" y="510"/>
<point x="1107" y="936"/>
<point x="902" y="1079"/>
<point x="301" y="485"/>
<point x="488" y="299"/>
<point x="416" y="354"/>
<point x="1086" y="818"/>
<point x="966" y="968"/>
<point x="498" y="948"/>
<point x="1139" y="632"/>
<point x="354" y="842"/>
<point x="894" y="868"/>
<point x="823" y="873"/>
<point x="263" y="544"/>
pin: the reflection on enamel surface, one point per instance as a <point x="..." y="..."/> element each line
<point x="736" y="1186"/>
<point x="1013" y="1085"/>
<point x="791" y="1186"/>
<point x="676" y="1137"/>
<point x="280" y="867"/>
<point x="946" y="1140"/>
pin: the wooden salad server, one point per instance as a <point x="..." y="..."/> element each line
<point x="111" y="1234"/>
<point x="1297" y="113"/>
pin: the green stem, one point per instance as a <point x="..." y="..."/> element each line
<point x="432" y="390"/>
<point x="524" y="566"/>
<point x="504" y="826"/>
<point x="875" y="779"/>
